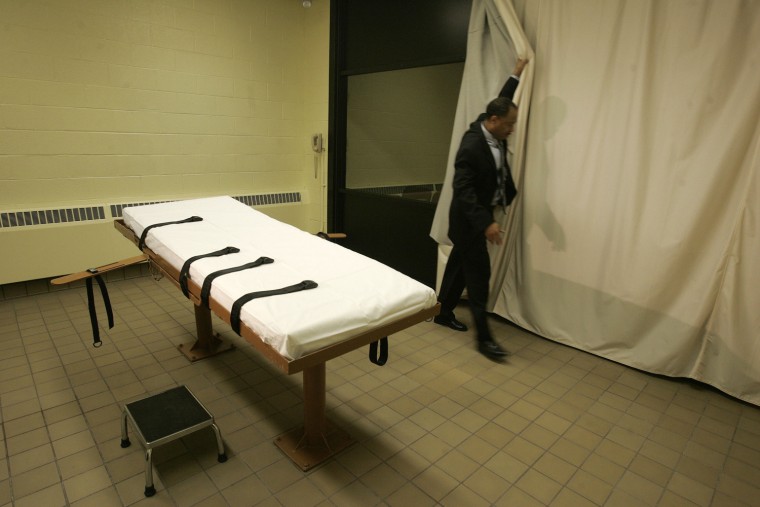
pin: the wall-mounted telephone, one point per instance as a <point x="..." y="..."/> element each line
<point x="316" y="143"/>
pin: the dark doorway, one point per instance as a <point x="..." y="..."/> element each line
<point x="395" y="74"/>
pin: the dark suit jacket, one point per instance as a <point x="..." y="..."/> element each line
<point x="475" y="181"/>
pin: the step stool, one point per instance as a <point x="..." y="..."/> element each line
<point x="164" y="417"/>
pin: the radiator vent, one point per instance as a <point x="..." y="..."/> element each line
<point x="10" y="219"/>
<point x="264" y="199"/>
<point x="117" y="209"/>
<point x="51" y="216"/>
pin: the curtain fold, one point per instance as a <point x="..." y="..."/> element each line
<point x="636" y="231"/>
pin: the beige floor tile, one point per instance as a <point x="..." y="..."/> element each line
<point x="516" y="496"/>
<point x="192" y="490"/>
<point x="454" y="434"/>
<point x="704" y="455"/>
<point x="523" y="450"/>
<point x="34" y="480"/>
<point x="67" y="427"/>
<point x="440" y="428"/>
<point x="739" y="490"/>
<point x="694" y="491"/>
<point x="107" y="497"/>
<point x="555" y="468"/>
<point x="570" y="451"/>
<point x="5" y="493"/>
<point x="435" y="482"/>
<point x="462" y="495"/>
<point x="83" y="485"/>
<point x="409" y="494"/>
<point x="582" y="437"/>
<point x="512" y="421"/>
<point x="539" y="486"/>
<point x="639" y="487"/>
<point x="723" y="500"/>
<point x="698" y="471"/>
<point x="331" y="478"/>
<point x="383" y="480"/>
<point x="302" y="492"/>
<point x="506" y="466"/>
<point x="26" y="441"/>
<point x="594" y="424"/>
<point x="539" y="436"/>
<point x="431" y="447"/>
<point x="619" y="498"/>
<point x="659" y="453"/>
<point x="742" y="471"/>
<point x="51" y="496"/>
<point x="21" y="409"/>
<point x="130" y="463"/>
<point x="590" y="487"/>
<point x="495" y="435"/>
<point x="62" y="412"/>
<point x="73" y="443"/>
<point x="615" y="452"/>
<point x="280" y="475"/>
<point x="626" y="438"/>
<point x="569" y="498"/>
<point x="487" y="484"/>
<point x="24" y="424"/>
<point x="31" y="459"/>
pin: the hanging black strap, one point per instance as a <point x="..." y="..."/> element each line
<point x="206" y="289"/>
<point x="91" y="305"/>
<point x="238" y="305"/>
<point x="383" y="357"/>
<point x="184" y="273"/>
<point x="141" y="243"/>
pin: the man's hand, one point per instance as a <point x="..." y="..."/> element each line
<point x="519" y="66"/>
<point x="493" y="234"/>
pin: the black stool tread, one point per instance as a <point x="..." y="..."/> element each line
<point x="167" y="413"/>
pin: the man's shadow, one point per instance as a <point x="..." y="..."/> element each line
<point x="553" y="111"/>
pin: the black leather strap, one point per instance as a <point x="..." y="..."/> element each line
<point x="91" y="305"/>
<point x="238" y="305"/>
<point x="383" y="357"/>
<point x="184" y="273"/>
<point x="206" y="289"/>
<point x="141" y="243"/>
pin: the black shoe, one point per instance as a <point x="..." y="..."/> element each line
<point x="492" y="350"/>
<point x="450" y="321"/>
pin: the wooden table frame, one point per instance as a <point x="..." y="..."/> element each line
<point x="319" y="439"/>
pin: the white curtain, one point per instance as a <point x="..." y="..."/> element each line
<point x="636" y="233"/>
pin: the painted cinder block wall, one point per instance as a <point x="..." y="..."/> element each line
<point x="111" y="102"/>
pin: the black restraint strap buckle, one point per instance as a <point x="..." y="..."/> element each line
<point x="184" y="273"/>
<point x="91" y="306"/>
<point x="238" y="304"/>
<point x="206" y="288"/>
<point x="144" y="235"/>
<point x="383" y="357"/>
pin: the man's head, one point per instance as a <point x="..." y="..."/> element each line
<point x="501" y="117"/>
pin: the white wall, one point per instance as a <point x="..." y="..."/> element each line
<point x="118" y="101"/>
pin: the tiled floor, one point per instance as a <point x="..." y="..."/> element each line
<point x="439" y="424"/>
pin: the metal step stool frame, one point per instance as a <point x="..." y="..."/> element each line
<point x="186" y="415"/>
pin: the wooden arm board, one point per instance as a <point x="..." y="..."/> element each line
<point x="83" y="275"/>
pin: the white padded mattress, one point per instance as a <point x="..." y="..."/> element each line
<point x="355" y="293"/>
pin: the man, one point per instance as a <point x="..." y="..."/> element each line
<point x="482" y="180"/>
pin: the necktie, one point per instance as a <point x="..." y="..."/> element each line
<point x="498" y="197"/>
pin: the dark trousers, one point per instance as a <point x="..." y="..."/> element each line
<point x="470" y="267"/>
